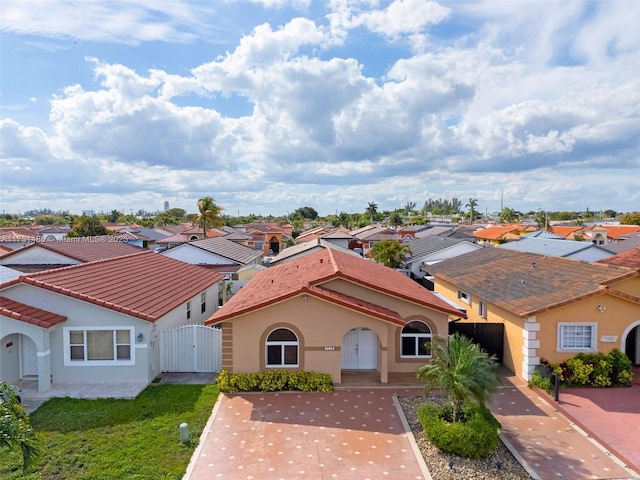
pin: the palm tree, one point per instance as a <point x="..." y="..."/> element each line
<point x="15" y="429"/>
<point x="372" y="209"/>
<point x="395" y="219"/>
<point x="473" y="203"/>
<point x="390" y="253"/>
<point x="409" y="207"/>
<point x="209" y="214"/>
<point x="461" y="370"/>
<point x="508" y="215"/>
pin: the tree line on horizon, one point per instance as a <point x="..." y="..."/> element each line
<point x="211" y="215"/>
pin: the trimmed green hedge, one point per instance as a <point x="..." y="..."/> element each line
<point x="274" y="381"/>
<point x="474" y="437"/>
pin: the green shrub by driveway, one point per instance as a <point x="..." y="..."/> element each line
<point x="117" y="439"/>
<point x="475" y="435"/>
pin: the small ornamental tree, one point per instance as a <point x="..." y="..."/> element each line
<point x="461" y="371"/>
<point x="390" y="253"/>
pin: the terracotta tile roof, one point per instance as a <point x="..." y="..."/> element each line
<point x="82" y="249"/>
<point x="503" y="232"/>
<point x="618" y="231"/>
<point x="630" y="259"/>
<point x="11" y="236"/>
<point x="566" y="232"/>
<point x="144" y="285"/>
<point x="307" y="273"/>
<point x="17" y="231"/>
<point x="27" y="313"/>
<point x="526" y="283"/>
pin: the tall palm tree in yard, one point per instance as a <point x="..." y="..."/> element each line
<point x="372" y="209"/>
<point x="209" y="215"/>
<point x="473" y="203"/>
<point x="461" y="370"/>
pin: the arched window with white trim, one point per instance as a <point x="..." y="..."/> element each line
<point x="415" y="340"/>
<point x="282" y="349"/>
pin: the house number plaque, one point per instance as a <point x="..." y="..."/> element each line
<point x="609" y="338"/>
<point x="329" y="348"/>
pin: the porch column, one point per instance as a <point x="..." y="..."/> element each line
<point x="44" y="371"/>
<point x="530" y="347"/>
<point x="384" y="365"/>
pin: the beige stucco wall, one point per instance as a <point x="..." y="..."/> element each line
<point x="528" y="339"/>
<point x="320" y="326"/>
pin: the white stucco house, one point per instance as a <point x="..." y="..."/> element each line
<point x="98" y="322"/>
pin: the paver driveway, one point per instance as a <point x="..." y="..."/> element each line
<point x="340" y="434"/>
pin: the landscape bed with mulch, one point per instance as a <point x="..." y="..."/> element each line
<point x="499" y="465"/>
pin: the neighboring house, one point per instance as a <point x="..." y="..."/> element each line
<point x="586" y="251"/>
<point x="497" y="234"/>
<point x="38" y="256"/>
<point x="550" y="307"/>
<point x="331" y="311"/>
<point x="16" y="237"/>
<point x="365" y="238"/>
<point x="52" y="233"/>
<point x="218" y="253"/>
<point x="99" y="322"/>
<point x="339" y="236"/>
<point x="429" y="250"/>
<point x="140" y="236"/>
<point x="306" y="248"/>
<point x="624" y="243"/>
<point x="464" y="232"/>
<point x="189" y="235"/>
<point x="628" y="258"/>
<point x="597" y="234"/>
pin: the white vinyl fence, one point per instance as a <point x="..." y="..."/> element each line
<point x="191" y="348"/>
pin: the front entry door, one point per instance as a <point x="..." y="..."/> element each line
<point x="359" y="350"/>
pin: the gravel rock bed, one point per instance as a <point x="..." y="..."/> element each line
<point x="463" y="468"/>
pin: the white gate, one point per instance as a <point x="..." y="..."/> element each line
<point x="191" y="348"/>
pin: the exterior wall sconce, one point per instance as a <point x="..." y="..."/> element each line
<point x="140" y="337"/>
<point x="305" y="298"/>
<point x="602" y="308"/>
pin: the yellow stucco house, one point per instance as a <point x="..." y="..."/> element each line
<point x="331" y="312"/>
<point x="550" y="307"/>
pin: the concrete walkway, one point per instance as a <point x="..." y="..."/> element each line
<point x="549" y="444"/>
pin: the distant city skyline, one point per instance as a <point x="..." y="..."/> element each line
<point x="270" y="105"/>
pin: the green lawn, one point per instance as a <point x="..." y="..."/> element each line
<point x="116" y="439"/>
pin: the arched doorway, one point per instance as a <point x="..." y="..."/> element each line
<point x="18" y="358"/>
<point x="632" y="344"/>
<point x="359" y="350"/>
<point x="274" y="245"/>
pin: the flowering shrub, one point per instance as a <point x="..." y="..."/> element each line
<point x="593" y="370"/>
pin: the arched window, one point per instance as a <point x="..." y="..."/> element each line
<point x="415" y="340"/>
<point x="282" y="349"/>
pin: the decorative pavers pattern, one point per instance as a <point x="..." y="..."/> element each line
<point x="552" y="445"/>
<point x="340" y="434"/>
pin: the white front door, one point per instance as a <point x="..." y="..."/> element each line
<point x="359" y="350"/>
<point x="29" y="357"/>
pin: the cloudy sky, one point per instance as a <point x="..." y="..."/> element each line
<point x="270" y="105"/>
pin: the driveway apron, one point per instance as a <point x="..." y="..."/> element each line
<point x="356" y="433"/>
